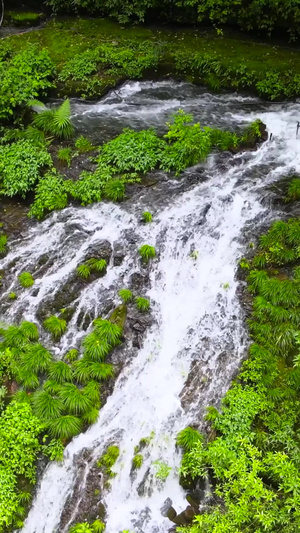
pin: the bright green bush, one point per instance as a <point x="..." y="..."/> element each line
<point x="26" y="280"/>
<point x="25" y="76"/>
<point x="83" y="145"/>
<point x="21" y="164"/>
<point x="3" y="244"/>
<point x="147" y="217"/>
<point x="142" y="304"/>
<point x="137" y="461"/>
<point x="50" y="194"/>
<point x="56" y="122"/>
<point x="147" y="252"/>
<point x="133" y="151"/>
<point x="65" y="156"/>
<point x="126" y="295"/>
<point x="56" y="326"/>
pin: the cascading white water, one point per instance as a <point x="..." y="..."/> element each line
<point x="197" y="315"/>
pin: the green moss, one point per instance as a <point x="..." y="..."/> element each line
<point x="23" y="18"/>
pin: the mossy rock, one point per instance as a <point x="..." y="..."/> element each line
<point x="118" y="316"/>
<point x="24" y="18"/>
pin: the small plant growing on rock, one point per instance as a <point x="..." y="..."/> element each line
<point x="114" y="190"/>
<point x="225" y="286"/>
<point x="84" y="527"/>
<point x="137" y="461"/>
<point x="162" y="470"/>
<point x="109" y="458"/>
<point x="142" y="304"/>
<point x="3" y="244"/>
<point x="147" y="217"/>
<point x="147" y="252"/>
<point x="99" y="265"/>
<point x="56" y="326"/>
<point x="244" y="264"/>
<point x="83" y="145"/>
<point x="26" y="280"/>
<point x="12" y="296"/>
<point x="125" y="295"/>
<point x="83" y="271"/>
<point x="187" y="438"/>
<point x="98" y="526"/>
<point x="65" y="155"/>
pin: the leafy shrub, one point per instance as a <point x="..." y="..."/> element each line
<point x="26" y="280"/>
<point x="83" y="145"/>
<point x="65" y="427"/>
<point x="56" y="122"/>
<point x="147" y="252"/>
<point x="24" y="76"/>
<point x="65" y="155"/>
<point x="80" y="66"/>
<point x="83" y="271"/>
<point x="147" y="217"/>
<point x="142" y="304"/>
<point x="21" y="164"/>
<point x="56" y="326"/>
<point x="115" y="190"/>
<point x="12" y="296"/>
<point x="137" y="461"/>
<point x="91" y="265"/>
<point x="133" y="151"/>
<point x="126" y="295"/>
<point x="293" y="193"/>
<point x="50" y="194"/>
<point x="188" y="437"/>
<point x="89" y="187"/>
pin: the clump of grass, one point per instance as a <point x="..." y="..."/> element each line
<point x="56" y="326"/>
<point x="12" y="296"/>
<point x="187" y="438"/>
<point x="65" y="155"/>
<point x="125" y="295"/>
<point x="3" y="244"/>
<point x="147" y="217"/>
<point x="71" y="355"/>
<point x="91" y="265"/>
<point x="83" y="145"/>
<point x="142" y="304"/>
<point x="83" y="271"/>
<point x="147" y="252"/>
<point x="137" y="461"/>
<point x="26" y="280"/>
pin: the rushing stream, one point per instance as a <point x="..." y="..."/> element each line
<point x="202" y="226"/>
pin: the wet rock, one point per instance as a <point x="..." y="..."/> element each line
<point x="119" y="254"/>
<point x="196" y="381"/>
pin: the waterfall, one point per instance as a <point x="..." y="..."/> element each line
<point x="202" y="226"/>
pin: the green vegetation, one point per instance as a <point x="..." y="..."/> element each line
<point x="91" y="265"/>
<point x="142" y="304"/>
<point x="108" y="459"/>
<point x="50" y="195"/>
<point x="137" y="461"/>
<point x="26" y="280"/>
<point x="24" y="18"/>
<point x="65" y="155"/>
<point x="55" y="401"/>
<point x="55" y="122"/>
<point x="254" y="454"/>
<point x="20" y="166"/>
<point x="162" y="470"/>
<point x="56" y="326"/>
<point x="83" y="145"/>
<point x="126" y="295"/>
<point x="3" y="244"/>
<point x="147" y="252"/>
<point x="12" y="296"/>
<point x="85" y="527"/>
<point x="147" y="217"/>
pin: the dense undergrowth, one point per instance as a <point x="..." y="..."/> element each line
<point x="88" y="57"/>
<point x="26" y="164"/>
<point x="259" y="15"/>
<point x="253" y="460"/>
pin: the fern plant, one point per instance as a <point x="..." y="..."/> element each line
<point x="76" y="400"/>
<point x="26" y="280"/>
<point x="147" y="252"/>
<point x="56" y="326"/>
<point x="56" y="122"/>
<point x="142" y="304"/>
<point x="108" y="331"/>
<point x="60" y="372"/>
<point x="36" y="358"/>
<point x="29" y="330"/>
<point x="47" y="406"/>
<point x="95" y="348"/>
<point x="83" y="145"/>
<point x="125" y="295"/>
